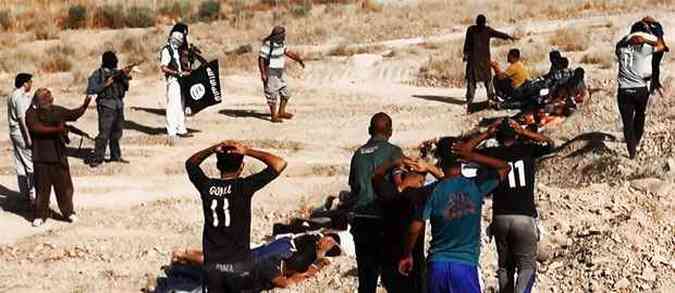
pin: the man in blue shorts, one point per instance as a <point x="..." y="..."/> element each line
<point x="454" y="209"/>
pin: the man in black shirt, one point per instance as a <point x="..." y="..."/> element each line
<point x="226" y="203"/>
<point x="400" y="190"/>
<point x="513" y="208"/>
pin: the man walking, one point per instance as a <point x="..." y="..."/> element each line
<point x="17" y="105"/>
<point x="454" y="209"/>
<point x="477" y="58"/>
<point x="109" y="85"/>
<point x="226" y="203"/>
<point x="47" y="125"/>
<point x="634" y="53"/>
<point x="170" y="64"/>
<point x="367" y="226"/>
<point x="271" y="63"/>
<point x="514" y="211"/>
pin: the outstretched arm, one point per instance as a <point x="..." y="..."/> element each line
<point x="296" y="57"/>
<point x="504" y="36"/>
<point x="74" y="114"/>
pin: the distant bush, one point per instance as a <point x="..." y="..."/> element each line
<point x="139" y="17"/>
<point x="5" y="19"/>
<point x="110" y="16"/>
<point x="600" y="58"/>
<point x="58" y="59"/>
<point x="179" y="8"/>
<point x="45" y="30"/>
<point x="77" y="15"/>
<point x="301" y="10"/>
<point x="209" y="10"/>
<point x="571" y="40"/>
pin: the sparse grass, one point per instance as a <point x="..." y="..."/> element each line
<point x="445" y="69"/>
<point x="110" y="16"/>
<point x="181" y="8"/>
<point x="59" y="59"/>
<point x="17" y="60"/>
<point x="570" y="40"/>
<point x="46" y="30"/>
<point x="602" y="58"/>
<point x="345" y="50"/>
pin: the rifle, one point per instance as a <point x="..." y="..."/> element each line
<point x="125" y="70"/>
<point x="79" y="132"/>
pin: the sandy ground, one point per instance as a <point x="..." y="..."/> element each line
<point x="132" y="216"/>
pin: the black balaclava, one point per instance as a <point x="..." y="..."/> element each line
<point x="109" y="60"/>
<point x="481" y="20"/>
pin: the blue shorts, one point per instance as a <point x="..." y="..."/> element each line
<point x="452" y="277"/>
<point x="282" y="247"/>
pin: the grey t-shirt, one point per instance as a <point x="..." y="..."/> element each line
<point x="635" y="65"/>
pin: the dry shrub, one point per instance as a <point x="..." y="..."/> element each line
<point x="602" y="58"/>
<point x="110" y="16"/>
<point x="5" y="19"/>
<point x="58" y="59"/>
<point x="137" y="16"/>
<point x="77" y="17"/>
<point x="45" y="30"/>
<point x="444" y="70"/>
<point x="17" y="61"/>
<point x="345" y="50"/>
<point x="571" y="40"/>
<point x="181" y="8"/>
<point x="209" y="10"/>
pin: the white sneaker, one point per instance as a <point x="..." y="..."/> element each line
<point x="72" y="218"/>
<point x="38" y="222"/>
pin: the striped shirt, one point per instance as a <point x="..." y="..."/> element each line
<point x="275" y="55"/>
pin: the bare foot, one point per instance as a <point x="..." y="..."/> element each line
<point x="276" y="120"/>
<point x="286" y="115"/>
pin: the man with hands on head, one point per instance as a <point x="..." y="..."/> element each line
<point x="513" y="208"/>
<point x="454" y="209"/>
<point x="226" y="203"/>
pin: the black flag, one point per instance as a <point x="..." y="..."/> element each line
<point x="201" y="89"/>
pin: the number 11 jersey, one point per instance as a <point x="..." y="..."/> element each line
<point x="227" y="213"/>
<point x="515" y="194"/>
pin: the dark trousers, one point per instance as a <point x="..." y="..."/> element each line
<point x="222" y="282"/>
<point x="632" y="106"/>
<point x="471" y="89"/>
<point x="368" y="241"/>
<point x="110" y="126"/>
<point x="395" y="282"/>
<point x="516" y="237"/>
<point x="55" y="175"/>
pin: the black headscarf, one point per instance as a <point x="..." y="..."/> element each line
<point x="109" y="60"/>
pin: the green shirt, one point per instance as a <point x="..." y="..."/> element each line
<point x="364" y="162"/>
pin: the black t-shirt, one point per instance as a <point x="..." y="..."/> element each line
<point x="398" y="212"/>
<point x="227" y="213"/>
<point x="515" y="194"/>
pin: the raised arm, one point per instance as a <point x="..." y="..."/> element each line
<point x="479" y="138"/>
<point x="272" y="161"/>
<point x="502" y="167"/>
<point x="537" y="137"/>
<point x="196" y="159"/>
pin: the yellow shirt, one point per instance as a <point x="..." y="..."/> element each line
<point x="517" y="73"/>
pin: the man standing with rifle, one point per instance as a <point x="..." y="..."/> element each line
<point x="109" y="85"/>
<point x="47" y="126"/>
